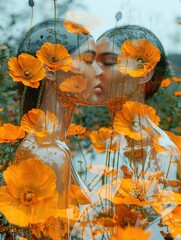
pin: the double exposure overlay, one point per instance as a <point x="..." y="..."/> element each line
<point x="85" y="155"/>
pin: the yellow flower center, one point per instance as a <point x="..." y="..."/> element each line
<point x="76" y="26"/>
<point x="135" y="124"/>
<point x="27" y="74"/>
<point x="140" y="62"/>
<point x="76" y="86"/>
<point x="54" y="59"/>
<point x="48" y="226"/>
<point x="29" y="197"/>
<point x="138" y="192"/>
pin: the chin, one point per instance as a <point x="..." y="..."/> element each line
<point x="97" y="102"/>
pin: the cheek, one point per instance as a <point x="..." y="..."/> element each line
<point x="112" y="76"/>
<point x="89" y="74"/>
<point x="78" y="66"/>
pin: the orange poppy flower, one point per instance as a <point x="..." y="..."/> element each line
<point x="55" y="57"/>
<point x="77" y="195"/>
<point x="100" y="169"/>
<point x="103" y="139"/>
<point x="152" y="175"/>
<point x="74" y="84"/>
<point x="1" y="109"/>
<point x="173" y="222"/>
<point x="135" y="120"/>
<point x="164" y="145"/>
<point x="11" y="133"/>
<point x="177" y="93"/>
<point x="39" y="123"/>
<point x="135" y="153"/>
<point x="174" y="138"/>
<point x="74" y="27"/>
<point x="126" y="171"/>
<point x="166" y="197"/>
<point x="138" y="58"/>
<point x="131" y="233"/>
<point x="126" y="215"/>
<point x="135" y="191"/>
<point x="30" y="195"/>
<point x="75" y="129"/>
<point x="54" y="228"/>
<point x="176" y="79"/>
<point x="166" y="83"/>
<point x="26" y="69"/>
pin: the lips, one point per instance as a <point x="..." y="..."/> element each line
<point x="98" y="88"/>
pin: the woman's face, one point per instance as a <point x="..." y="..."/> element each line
<point x="83" y="84"/>
<point x="116" y="86"/>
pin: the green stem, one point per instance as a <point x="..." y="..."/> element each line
<point x="168" y="169"/>
<point x="85" y="162"/>
<point x="31" y="23"/>
<point x="22" y="100"/>
<point x="40" y="94"/>
<point x="55" y="16"/>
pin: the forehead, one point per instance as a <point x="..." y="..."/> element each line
<point x="104" y="45"/>
<point x="88" y="45"/>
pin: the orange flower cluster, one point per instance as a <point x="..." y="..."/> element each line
<point x="173" y="222"/>
<point x="30" y="70"/>
<point x="138" y="58"/>
<point x="11" y="133"/>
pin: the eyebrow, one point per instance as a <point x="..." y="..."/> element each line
<point x="108" y="53"/>
<point x="89" y="51"/>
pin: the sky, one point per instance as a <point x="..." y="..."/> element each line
<point x="157" y="15"/>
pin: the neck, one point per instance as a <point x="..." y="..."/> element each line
<point x="116" y="105"/>
<point x="55" y="104"/>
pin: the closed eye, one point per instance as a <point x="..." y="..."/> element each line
<point x="88" y="57"/>
<point x="107" y="59"/>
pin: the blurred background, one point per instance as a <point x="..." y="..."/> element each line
<point x="162" y="17"/>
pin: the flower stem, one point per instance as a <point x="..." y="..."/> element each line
<point x="22" y="100"/>
<point x="85" y="162"/>
<point x="55" y="16"/>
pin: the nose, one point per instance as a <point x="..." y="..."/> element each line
<point x="98" y="70"/>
